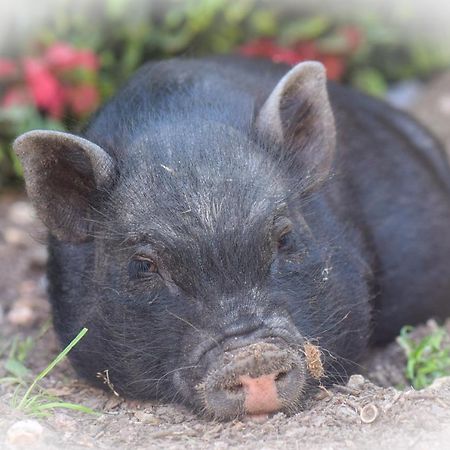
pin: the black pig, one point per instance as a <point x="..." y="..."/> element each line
<point x="217" y="216"/>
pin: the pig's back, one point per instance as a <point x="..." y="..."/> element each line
<point x="395" y="182"/>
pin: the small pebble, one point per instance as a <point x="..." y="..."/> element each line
<point x="25" y="433"/>
<point x="321" y="395"/>
<point x="112" y="403"/>
<point x="21" y="315"/>
<point x="16" y="237"/>
<point x="356" y="382"/>
<point x="38" y="258"/>
<point x="144" y="417"/>
<point x="21" y="213"/>
<point x="369" y="413"/>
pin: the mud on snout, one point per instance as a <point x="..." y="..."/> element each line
<point x="255" y="380"/>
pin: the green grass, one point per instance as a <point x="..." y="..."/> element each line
<point x="30" y="397"/>
<point x="428" y="358"/>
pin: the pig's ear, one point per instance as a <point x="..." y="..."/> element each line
<point x="298" y="114"/>
<point x="63" y="173"/>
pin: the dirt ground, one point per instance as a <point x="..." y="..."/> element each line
<point x="367" y="413"/>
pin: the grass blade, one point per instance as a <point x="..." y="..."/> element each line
<point x="52" y="365"/>
<point x="66" y="405"/>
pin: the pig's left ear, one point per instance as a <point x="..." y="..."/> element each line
<point x="63" y="175"/>
<point x="298" y="114"/>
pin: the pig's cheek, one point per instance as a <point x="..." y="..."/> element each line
<point x="181" y="384"/>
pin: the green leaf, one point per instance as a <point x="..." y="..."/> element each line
<point x="427" y="359"/>
<point x="370" y="80"/>
<point x="116" y="8"/>
<point x="263" y="22"/>
<point x="304" y="29"/>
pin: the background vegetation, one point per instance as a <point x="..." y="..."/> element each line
<point x="57" y="76"/>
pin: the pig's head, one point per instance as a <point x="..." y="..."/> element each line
<point x="204" y="259"/>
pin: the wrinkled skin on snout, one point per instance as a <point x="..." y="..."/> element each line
<point x="198" y="231"/>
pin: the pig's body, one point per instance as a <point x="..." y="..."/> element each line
<point x="238" y="234"/>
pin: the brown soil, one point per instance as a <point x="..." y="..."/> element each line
<point x="362" y="414"/>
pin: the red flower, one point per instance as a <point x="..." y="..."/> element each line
<point x="266" y="48"/>
<point x="63" y="57"/>
<point x="262" y="47"/>
<point x="286" y="55"/>
<point x="353" y="35"/>
<point x="306" y="51"/>
<point x="303" y="51"/>
<point x="7" y="68"/>
<point x="334" y="64"/>
<point x="44" y="87"/>
<point x="46" y="81"/>
<point x="82" y="99"/>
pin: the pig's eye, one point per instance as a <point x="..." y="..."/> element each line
<point x="284" y="235"/>
<point x="141" y="268"/>
<point x="284" y="241"/>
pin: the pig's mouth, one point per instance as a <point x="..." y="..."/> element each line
<point x="254" y="381"/>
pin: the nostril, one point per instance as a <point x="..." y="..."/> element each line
<point x="235" y="388"/>
<point x="281" y="376"/>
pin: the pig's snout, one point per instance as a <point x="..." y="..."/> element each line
<point x="258" y="379"/>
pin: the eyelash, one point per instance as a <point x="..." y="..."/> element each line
<point x="283" y="228"/>
<point x="139" y="268"/>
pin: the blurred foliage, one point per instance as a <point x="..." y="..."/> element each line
<point x="427" y="358"/>
<point x="365" y="51"/>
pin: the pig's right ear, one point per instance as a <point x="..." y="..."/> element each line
<point x="63" y="173"/>
<point x="298" y="115"/>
